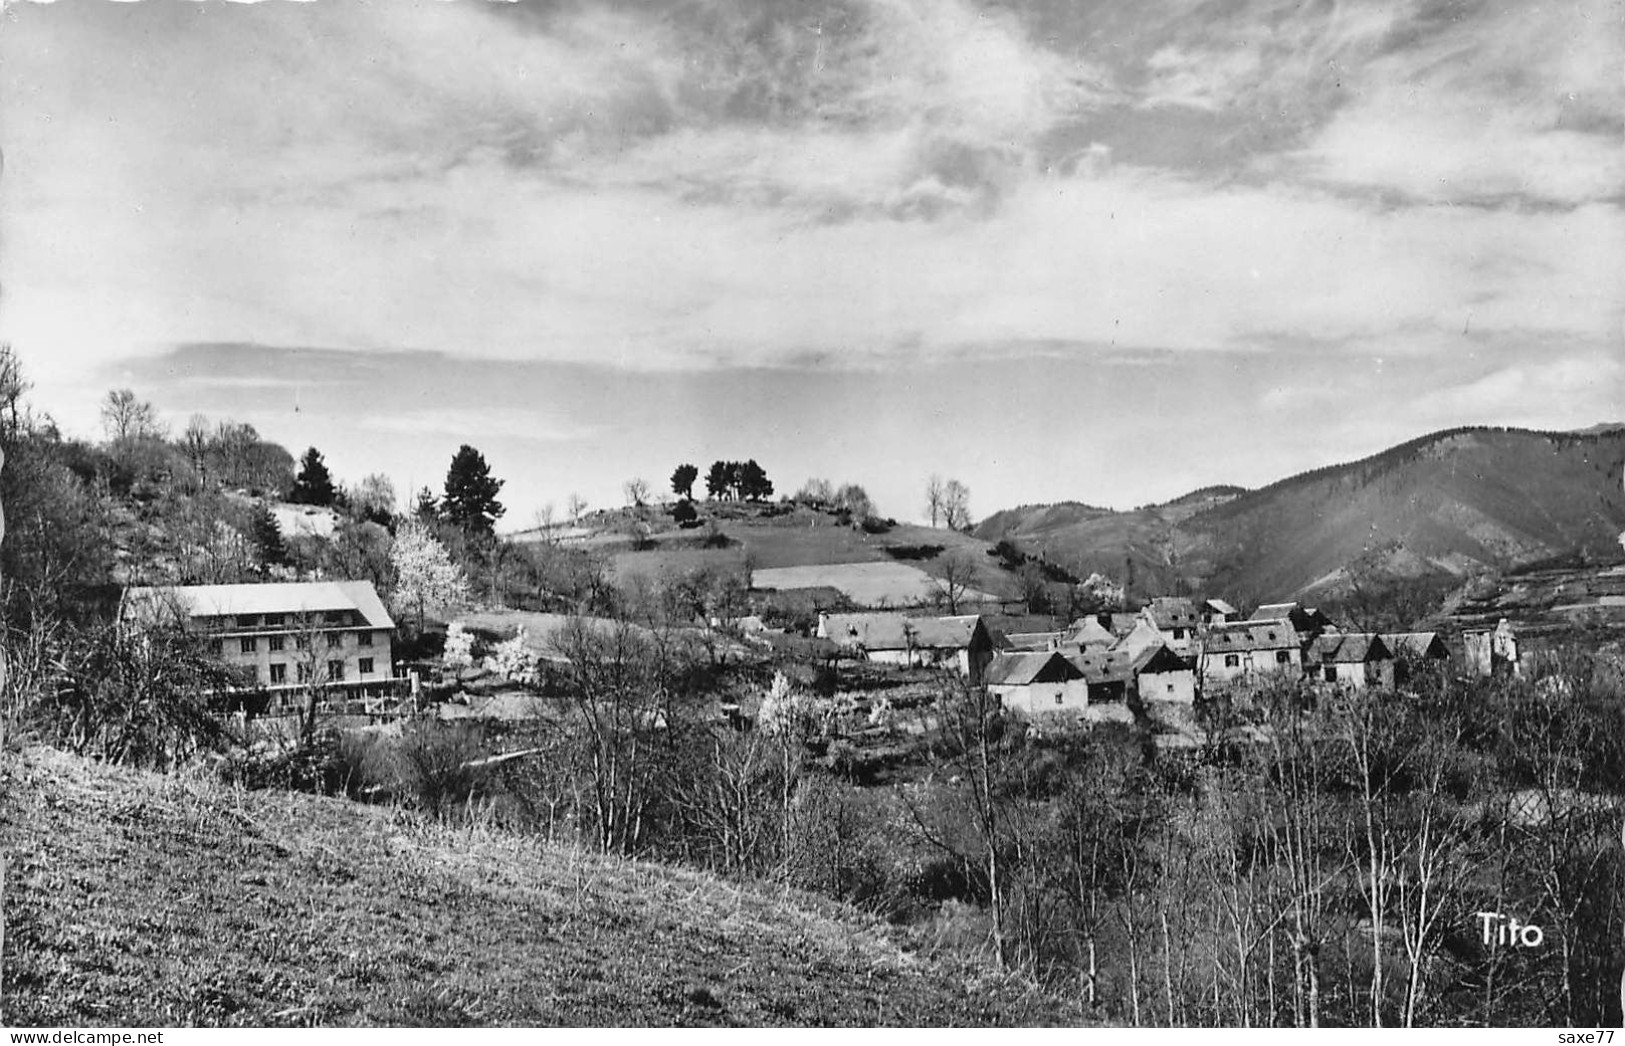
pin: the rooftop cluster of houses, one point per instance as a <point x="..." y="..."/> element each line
<point x="1169" y="651"/>
<point x="289" y="637"/>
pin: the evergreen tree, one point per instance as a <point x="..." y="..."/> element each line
<point x="314" y="484"/>
<point x="267" y="537"/>
<point x="470" y="500"/>
<point x="753" y="482"/>
<point x="426" y="507"/>
<point x="682" y="481"/>
<point x="719" y="481"/>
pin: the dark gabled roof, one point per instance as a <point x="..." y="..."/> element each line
<point x="1171" y="612"/>
<point x="1235" y="636"/>
<point x="1348" y="648"/>
<point x="896" y="632"/>
<point x="1415" y="644"/>
<point x="1103" y="666"/>
<point x="1158" y="659"/>
<point x="1020" y="669"/>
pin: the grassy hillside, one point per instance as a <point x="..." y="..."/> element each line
<point x="135" y="899"/>
<point x="1449" y="503"/>
<point x="772" y="537"/>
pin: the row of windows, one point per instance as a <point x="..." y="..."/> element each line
<point x="335" y="640"/>
<point x="333" y="617"/>
<point x="335" y="670"/>
<point x="1282" y="657"/>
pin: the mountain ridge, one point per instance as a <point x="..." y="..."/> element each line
<point x="1456" y="502"/>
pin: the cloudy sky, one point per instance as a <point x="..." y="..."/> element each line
<point x="1059" y="249"/>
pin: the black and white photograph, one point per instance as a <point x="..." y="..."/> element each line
<point x="997" y="514"/>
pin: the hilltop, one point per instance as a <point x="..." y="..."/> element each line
<point x="139" y="899"/>
<point x="790" y="548"/>
<point x="1448" y="504"/>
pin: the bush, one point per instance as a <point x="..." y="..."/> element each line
<point x="432" y="765"/>
<point x="912" y="552"/>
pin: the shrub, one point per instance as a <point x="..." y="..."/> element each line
<point x="433" y="765"/>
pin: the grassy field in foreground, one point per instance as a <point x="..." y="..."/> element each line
<point x="137" y="899"/>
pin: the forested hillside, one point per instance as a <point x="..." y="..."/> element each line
<point x="1448" y="504"/>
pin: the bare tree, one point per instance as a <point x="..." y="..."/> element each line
<point x="934" y="497"/>
<point x="637" y="492"/>
<point x="957" y="572"/>
<point x="614" y="681"/>
<point x="574" y="508"/>
<point x="546" y="518"/>
<point x="13" y="386"/>
<point x="125" y="417"/>
<point x="196" y="441"/>
<point x="956" y="505"/>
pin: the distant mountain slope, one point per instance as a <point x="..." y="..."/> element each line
<point x="137" y="899"/>
<point x="1450" y="502"/>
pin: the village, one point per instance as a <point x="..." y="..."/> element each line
<point x="822" y="513"/>
<point x="325" y="648"/>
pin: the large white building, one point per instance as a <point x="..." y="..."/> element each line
<point x="289" y="637"/>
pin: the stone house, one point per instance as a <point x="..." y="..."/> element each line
<point x="1240" y="651"/>
<point x="1036" y="682"/>
<point x="1350" y="660"/>
<point x="961" y="641"/>
<point x="1175" y="619"/>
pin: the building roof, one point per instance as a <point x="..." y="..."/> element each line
<point x="1348" y="648"/>
<point x="1021" y="669"/>
<point x="1120" y="623"/>
<point x="1087" y="632"/>
<point x="1415" y="644"/>
<point x="1033" y="640"/>
<point x="287" y="597"/>
<point x="1234" y="636"/>
<point x="1103" y="666"/>
<point x="1158" y="659"/>
<point x="1143" y="636"/>
<point x="896" y="632"/>
<point x="1221" y="606"/>
<point x="1304" y="619"/>
<point x="1171" y="612"/>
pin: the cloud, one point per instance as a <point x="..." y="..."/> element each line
<point x="870" y="184"/>
<point x="1521" y="102"/>
<point x="1585" y="385"/>
<point x="488" y="422"/>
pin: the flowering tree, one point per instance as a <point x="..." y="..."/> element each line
<point x="425" y="576"/>
<point x="458" y="653"/>
<point x="514" y="660"/>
